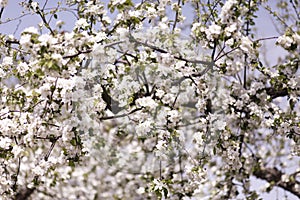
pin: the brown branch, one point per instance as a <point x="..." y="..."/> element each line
<point x="274" y="175"/>
<point x="24" y="194"/>
<point x="12" y="42"/>
<point x="14" y="187"/>
<point x="276" y="93"/>
<point x="90" y="50"/>
<point x="176" y="17"/>
<point x="266" y="38"/>
<point x="42" y="15"/>
<point x="53" y="142"/>
<point x="1" y="12"/>
<point x="209" y="64"/>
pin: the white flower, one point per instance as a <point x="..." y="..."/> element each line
<point x="187" y="198"/>
<point x="100" y="36"/>
<point x="195" y="28"/>
<point x="44" y="90"/>
<point x="199" y="137"/>
<point x="59" y="23"/>
<point x="123" y="32"/>
<point x="66" y="84"/>
<point x="151" y="12"/>
<point x="168" y="98"/>
<point x="158" y="184"/>
<point x="22" y="68"/>
<point x="4" y="111"/>
<point x="220" y="125"/>
<point x="141" y="190"/>
<point x="116" y="2"/>
<point x="38" y="170"/>
<point x="161" y="149"/>
<point x="106" y="19"/>
<point x="285" y="41"/>
<point x="98" y="52"/>
<point x="57" y="57"/>
<point x="230" y="29"/>
<point x="46" y="38"/>
<point x="201" y="105"/>
<point x="230" y="42"/>
<point x="163" y="25"/>
<point x="81" y="23"/>
<point x="31" y="29"/>
<point x="246" y="44"/>
<point x="25" y="41"/>
<point x="135" y="13"/>
<point x="7" y="61"/>
<point x="160" y="145"/>
<point x="226" y="10"/>
<point x="173" y="116"/>
<point x="292" y="83"/>
<point x="79" y="82"/>
<point x="213" y="31"/>
<point x="5" y="143"/>
<point x="180" y="64"/>
<point x="35" y="6"/>
<point x="296" y="38"/>
<point x="17" y="150"/>
<point x="239" y="104"/>
<point x="159" y="93"/>
<point x="146" y="102"/>
<point x="167" y="59"/>
<point x="143" y="128"/>
<point x="3" y="3"/>
<point x="69" y="36"/>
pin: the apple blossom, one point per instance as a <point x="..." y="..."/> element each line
<point x="3" y="3"/>
<point x="147" y="100"/>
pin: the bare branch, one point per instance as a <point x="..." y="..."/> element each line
<point x="24" y="194"/>
<point x="276" y="93"/>
<point x="208" y="63"/>
<point x="274" y="175"/>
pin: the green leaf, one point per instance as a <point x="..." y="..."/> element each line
<point x="71" y="163"/>
<point x="73" y="141"/>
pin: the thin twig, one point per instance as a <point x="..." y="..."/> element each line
<point x="51" y="147"/>
<point x="295" y="9"/>
<point x="90" y="50"/>
<point x="17" y="27"/>
<point x="209" y="64"/>
<point x="266" y="38"/>
<point x="42" y="15"/>
<point x="226" y="53"/>
<point x="1" y="12"/>
<point x="176" y="17"/>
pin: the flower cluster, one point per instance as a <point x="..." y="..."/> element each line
<point x="125" y="105"/>
<point x="289" y="42"/>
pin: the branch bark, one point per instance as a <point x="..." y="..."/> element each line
<point x="274" y="175"/>
<point x="276" y="93"/>
<point x="24" y="194"/>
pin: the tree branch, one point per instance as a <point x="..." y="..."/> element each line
<point x="24" y="194"/>
<point x="274" y="175"/>
<point x="209" y="64"/>
<point x="1" y="12"/>
<point x="276" y="93"/>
